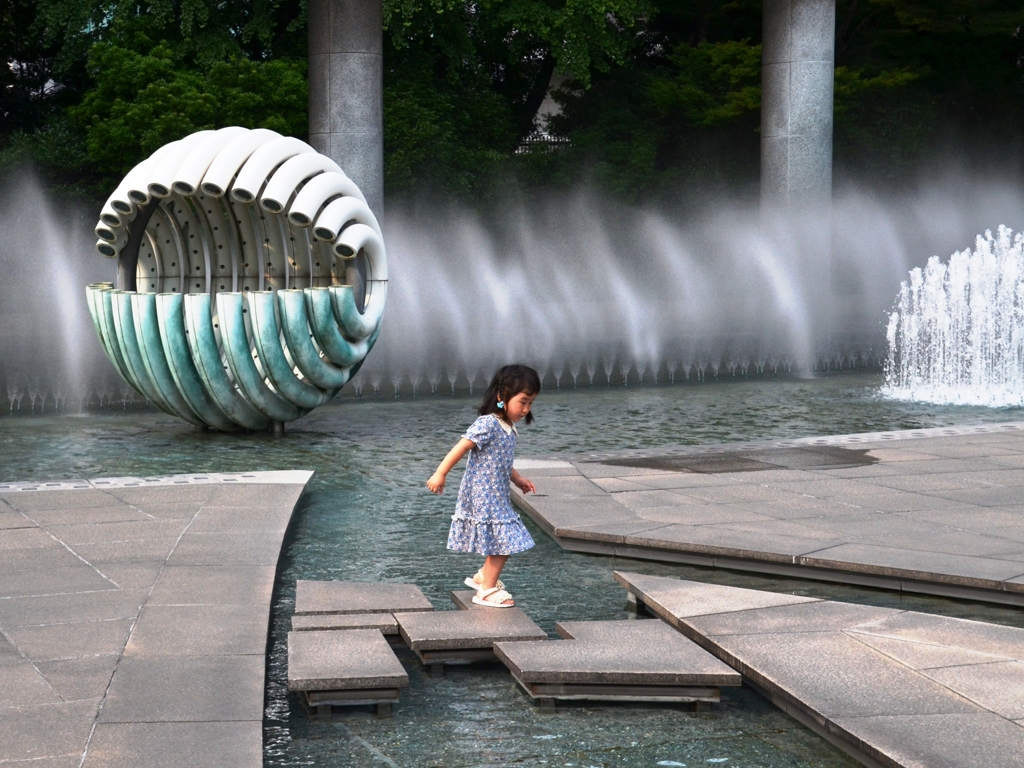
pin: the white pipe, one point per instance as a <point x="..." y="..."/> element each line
<point x="194" y="167"/>
<point x="360" y="237"/>
<point x="105" y="233"/>
<point x="109" y="217"/>
<point x="161" y="178"/>
<point x="137" y="189"/>
<point x="108" y="250"/>
<point x="261" y="163"/>
<point x="222" y="170"/>
<point x="318" y="191"/>
<point x="340" y="212"/>
<point x="119" y="202"/>
<point x="293" y="172"/>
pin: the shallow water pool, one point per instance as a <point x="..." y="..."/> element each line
<point x="368" y="516"/>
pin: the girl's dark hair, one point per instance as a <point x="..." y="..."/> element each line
<point x="509" y="381"/>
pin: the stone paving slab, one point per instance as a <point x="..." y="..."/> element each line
<point x="384" y="623"/>
<point x="892" y="688"/>
<point x="621" y="653"/>
<point x="352" y="660"/>
<point x="933" y="511"/>
<point x="341" y="597"/>
<point x="460" y="637"/>
<point x="132" y="628"/>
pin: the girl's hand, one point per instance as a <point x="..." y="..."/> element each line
<point x="524" y="485"/>
<point x="436" y="483"/>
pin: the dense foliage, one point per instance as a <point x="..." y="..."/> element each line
<point x="658" y="97"/>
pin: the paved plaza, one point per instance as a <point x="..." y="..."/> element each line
<point x="134" y="617"/>
<point x="935" y="511"/>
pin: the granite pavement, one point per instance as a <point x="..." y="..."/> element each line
<point x="134" y="617"/>
<point x="935" y="511"/>
<point x="893" y="688"/>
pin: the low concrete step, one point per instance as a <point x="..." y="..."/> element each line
<point x="344" y="597"/>
<point x="463" y="637"/>
<point x="355" y="667"/>
<point x="617" y="661"/>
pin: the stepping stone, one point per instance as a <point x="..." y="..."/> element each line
<point x="383" y="622"/>
<point x="342" y="597"/>
<point x="355" y="667"/>
<point x="463" y="600"/>
<point x="463" y="637"/>
<point x="617" y="661"/>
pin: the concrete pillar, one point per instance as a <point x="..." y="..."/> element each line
<point x="797" y="71"/>
<point x="346" y="99"/>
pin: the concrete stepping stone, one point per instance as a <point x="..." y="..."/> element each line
<point x="645" y="661"/>
<point x="383" y="622"/>
<point x="463" y="637"/>
<point x="355" y="667"/>
<point x="347" y="597"/>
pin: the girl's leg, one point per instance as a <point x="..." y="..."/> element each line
<point x="492" y="570"/>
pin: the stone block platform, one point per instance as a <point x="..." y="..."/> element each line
<point x="324" y="598"/>
<point x="645" y="661"/>
<point x="934" y="511"/>
<point x="892" y="688"/>
<point x="464" y="636"/>
<point x="354" y="667"/>
<point x="383" y="622"/>
<point x="134" y="616"/>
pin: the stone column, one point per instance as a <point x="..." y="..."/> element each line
<point x="798" y="66"/>
<point x="346" y="102"/>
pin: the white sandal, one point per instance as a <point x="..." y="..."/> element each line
<point x="472" y="583"/>
<point x="494" y="598"/>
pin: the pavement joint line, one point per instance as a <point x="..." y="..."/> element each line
<point x="131" y="631"/>
<point x="69" y="549"/>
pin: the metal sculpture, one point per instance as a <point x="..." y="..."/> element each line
<point x="251" y="279"/>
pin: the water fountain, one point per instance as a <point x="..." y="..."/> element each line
<point x="245" y="247"/>
<point x="957" y="333"/>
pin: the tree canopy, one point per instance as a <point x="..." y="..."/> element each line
<point x="657" y="97"/>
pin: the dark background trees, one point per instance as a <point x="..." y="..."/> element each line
<point x="659" y="98"/>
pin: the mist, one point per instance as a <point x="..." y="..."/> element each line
<point x="587" y="290"/>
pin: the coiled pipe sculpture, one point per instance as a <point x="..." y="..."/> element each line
<point x="251" y="279"/>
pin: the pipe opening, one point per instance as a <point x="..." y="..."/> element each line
<point x="105" y="234"/>
<point x="159" y="190"/>
<point x="183" y="188"/>
<point x="138" y="196"/>
<point x="323" y="233"/>
<point x="110" y="219"/>
<point x="273" y="206"/>
<point x="121" y="207"/>
<point x="345" y="251"/>
<point x="106" y="250"/>
<point x="300" y="219"/>
<point x="242" y="195"/>
<point x="212" y="189"/>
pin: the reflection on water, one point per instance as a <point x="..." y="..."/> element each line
<point x="367" y="516"/>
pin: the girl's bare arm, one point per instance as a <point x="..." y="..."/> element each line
<point x="436" y="481"/>
<point x="520" y="482"/>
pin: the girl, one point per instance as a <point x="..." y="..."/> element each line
<point x="484" y="521"/>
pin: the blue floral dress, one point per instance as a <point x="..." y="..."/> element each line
<point x="484" y="521"/>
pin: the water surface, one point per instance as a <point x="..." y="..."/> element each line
<point x="367" y="516"/>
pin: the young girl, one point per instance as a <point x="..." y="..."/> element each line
<point x="484" y="521"/>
